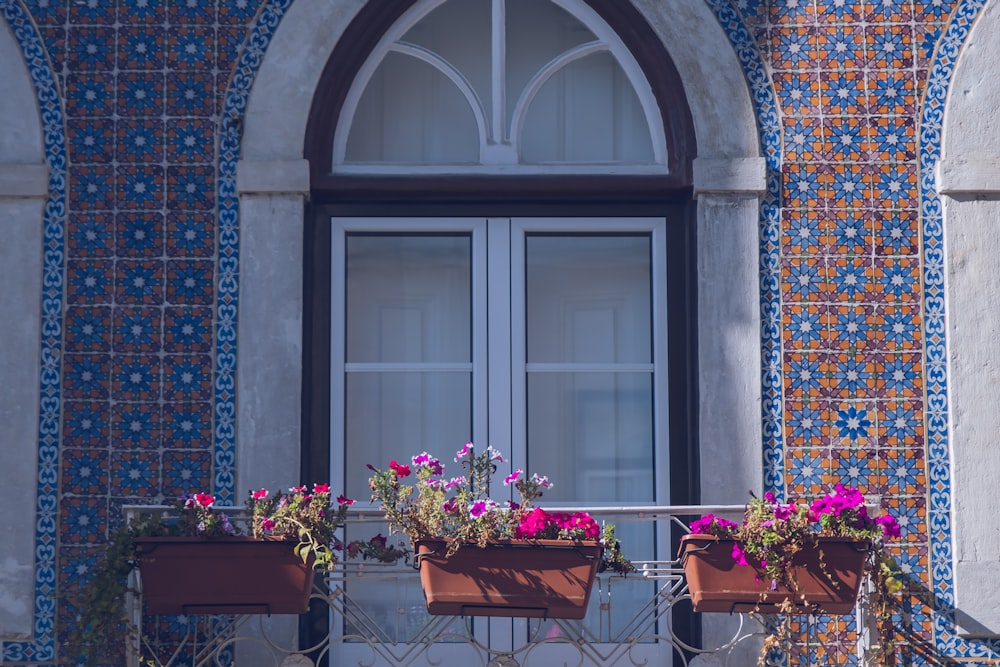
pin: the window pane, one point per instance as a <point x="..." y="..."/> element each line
<point x="408" y="299"/>
<point x="588" y="299"/>
<point x="593" y="432"/>
<point x="397" y="415"/>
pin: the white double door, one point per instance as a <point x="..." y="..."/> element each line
<point x="544" y="338"/>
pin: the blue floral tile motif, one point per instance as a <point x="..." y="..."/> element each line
<point x="186" y="471"/>
<point x="137" y="330"/>
<point x="853" y="423"/>
<point x="190" y="47"/>
<point x="86" y="424"/>
<point x="88" y="51"/>
<point x="190" y="188"/>
<point x="139" y="140"/>
<point x="135" y="426"/>
<point x="189" y="93"/>
<point x="189" y="235"/>
<point x="190" y="282"/>
<point x="187" y="426"/>
<point x="87" y="329"/>
<point x="135" y="378"/>
<point x="140" y="47"/>
<point x="91" y="142"/>
<point x="85" y="471"/>
<point x="139" y="234"/>
<point x="91" y="235"/>
<point x="187" y="329"/>
<point x="140" y="94"/>
<point x="187" y="378"/>
<point x="139" y="187"/>
<point x="87" y="376"/>
<point x="83" y="519"/>
<point x="89" y="94"/>
<point x="135" y="473"/>
<point x="138" y="282"/>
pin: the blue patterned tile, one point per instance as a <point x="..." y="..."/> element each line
<point x="135" y="474"/>
<point x="83" y="519"/>
<point x="187" y="425"/>
<point x="239" y="12"/>
<point x="191" y="12"/>
<point x="851" y="327"/>
<point x="139" y="140"/>
<point x="191" y="188"/>
<point x="190" y="282"/>
<point x="135" y="426"/>
<point x="852" y="423"/>
<point x="805" y="279"/>
<point x="86" y="424"/>
<point x="190" y="93"/>
<point x="135" y="378"/>
<point x="851" y="376"/>
<point x="190" y="140"/>
<point x="89" y="281"/>
<point x="141" y="12"/>
<point x="85" y="471"/>
<point x="91" y="235"/>
<point x="91" y="12"/>
<point x="804" y="372"/>
<point x="87" y="329"/>
<point x="187" y="329"/>
<point x="190" y="47"/>
<point x="187" y="377"/>
<point x="140" y="187"/>
<point x="86" y="376"/>
<point x="139" y="234"/>
<point x="89" y="94"/>
<point x="806" y="326"/>
<point x="900" y="376"/>
<point x="92" y="188"/>
<point x="186" y="471"/>
<point x="91" y="141"/>
<point x="808" y="426"/>
<point x="140" y="47"/>
<point x="138" y="282"/>
<point x="137" y="330"/>
<point x="897" y="279"/>
<point x="899" y="327"/>
<point x="140" y="94"/>
<point x="87" y="49"/>
<point x="190" y="234"/>
<point x="850" y="278"/>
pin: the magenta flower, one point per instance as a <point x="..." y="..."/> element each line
<point x="344" y="500"/>
<point x="739" y="555"/>
<point x="541" y="481"/>
<point x="511" y="478"/>
<point x="260" y="495"/>
<point x="204" y="499"/>
<point x="463" y="452"/>
<point x="454" y="482"/>
<point x="321" y="488"/>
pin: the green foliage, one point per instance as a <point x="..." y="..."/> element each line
<point x="462" y="509"/>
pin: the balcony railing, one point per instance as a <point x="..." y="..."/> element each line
<point x="369" y="614"/>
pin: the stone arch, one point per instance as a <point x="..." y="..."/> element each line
<point x="968" y="178"/>
<point x="273" y="183"/>
<point x="23" y="187"/>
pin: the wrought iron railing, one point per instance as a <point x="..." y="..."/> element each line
<point x="369" y="614"/>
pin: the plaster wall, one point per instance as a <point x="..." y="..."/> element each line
<point x="969" y="179"/>
<point x="22" y="188"/>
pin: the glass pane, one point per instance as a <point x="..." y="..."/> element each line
<point x="588" y="299"/>
<point x="393" y="415"/>
<point x="587" y="112"/>
<point x="411" y="113"/>
<point x="593" y="432"/>
<point x="408" y="298"/>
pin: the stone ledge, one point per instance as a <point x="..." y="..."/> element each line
<point x="272" y="177"/>
<point x="969" y="177"/>
<point x="19" y="181"/>
<point x="745" y="175"/>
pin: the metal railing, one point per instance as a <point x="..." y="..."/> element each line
<point x="369" y="614"/>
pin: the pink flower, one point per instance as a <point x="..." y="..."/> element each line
<point x="260" y="495"/>
<point x="541" y="481"/>
<point x="204" y="499"/>
<point x="890" y="527"/>
<point x="449" y="506"/>
<point x="495" y="455"/>
<point x="189" y="503"/>
<point x="511" y="478"/>
<point x="297" y="489"/>
<point x="377" y="541"/>
<point x="463" y="452"/>
<point x="268" y="523"/>
<point x="344" y="500"/>
<point x="454" y="482"/>
<point x="401" y="469"/>
<point x="739" y="555"/>
<point x="321" y="488"/>
<point x="479" y="508"/>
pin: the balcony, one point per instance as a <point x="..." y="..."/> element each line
<point x="373" y="614"/>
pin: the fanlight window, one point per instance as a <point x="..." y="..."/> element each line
<point x="519" y="86"/>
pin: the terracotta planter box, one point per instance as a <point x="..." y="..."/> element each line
<point x="828" y="577"/>
<point x="529" y="578"/>
<point x="238" y="575"/>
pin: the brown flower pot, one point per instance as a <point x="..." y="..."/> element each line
<point x="517" y="578"/>
<point x="827" y="577"/>
<point x="228" y="575"/>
